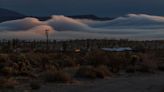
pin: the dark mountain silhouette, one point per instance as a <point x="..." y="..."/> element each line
<point x="93" y="17"/>
<point x="6" y="15"/>
<point x="9" y="13"/>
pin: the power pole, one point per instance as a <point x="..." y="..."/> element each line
<point x="47" y="39"/>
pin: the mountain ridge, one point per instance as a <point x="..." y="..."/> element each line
<point x="6" y="15"/>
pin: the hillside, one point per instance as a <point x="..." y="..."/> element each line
<point x="6" y="15"/>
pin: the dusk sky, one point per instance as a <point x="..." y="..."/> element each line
<point x="74" y="7"/>
<point x="133" y="19"/>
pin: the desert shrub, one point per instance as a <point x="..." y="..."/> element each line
<point x="146" y="69"/>
<point x="130" y="69"/>
<point x="134" y="59"/>
<point x="142" y="63"/>
<point x="13" y="57"/>
<point x="4" y="58"/>
<point x="86" y="72"/>
<point x="103" y="71"/>
<point x="162" y="89"/>
<point x="57" y="76"/>
<point x="161" y="67"/>
<point x="149" y="63"/>
<point x="70" y="62"/>
<point x="133" y="64"/>
<point x="51" y="67"/>
<point x="34" y="58"/>
<point x="93" y="72"/>
<point x="17" y="65"/>
<point x="118" y="61"/>
<point x="35" y="85"/>
<point x="8" y="83"/>
<point x="66" y="62"/>
<point x="8" y="70"/>
<point x="96" y="58"/>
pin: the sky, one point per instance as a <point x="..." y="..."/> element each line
<point x="104" y="8"/>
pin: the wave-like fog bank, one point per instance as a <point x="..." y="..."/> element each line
<point x="131" y="26"/>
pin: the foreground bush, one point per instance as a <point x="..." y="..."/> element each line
<point x="96" y="58"/>
<point x="103" y="71"/>
<point x="8" y="83"/>
<point x="58" y="76"/>
<point x="161" y="67"/>
<point x="86" y="72"/>
<point x="35" y="85"/>
<point x="93" y="72"/>
<point x="148" y="63"/>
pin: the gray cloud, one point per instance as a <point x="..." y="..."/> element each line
<point x="20" y="24"/>
<point x="62" y="23"/>
<point x="132" y="26"/>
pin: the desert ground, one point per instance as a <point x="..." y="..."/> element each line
<point x="123" y="83"/>
<point x="138" y="70"/>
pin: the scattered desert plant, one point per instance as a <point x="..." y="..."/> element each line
<point x="161" y="67"/>
<point x="8" y="83"/>
<point x="93" y="72"/>
<point x="103" y="71"/>
<point x="57" y="76"/>
<point x="86" y="72"/>
<point x="149" y="63"/>
<point x="130" y="69"/>
<point x="96" y="58"/>
<point x="8" y="70"/>
<point x="35" y="85"/>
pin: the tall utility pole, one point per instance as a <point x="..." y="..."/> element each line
<point x="47" y="39"/>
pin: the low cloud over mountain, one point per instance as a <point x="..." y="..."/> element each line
<point x="132" y="26"/>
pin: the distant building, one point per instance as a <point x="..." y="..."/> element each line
<point x="120" y="49"/>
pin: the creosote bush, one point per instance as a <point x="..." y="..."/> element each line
<point x="96" y="58"/>
<point x="50" y="67"/>
<point x="149" y="64"/>
<point x="93" y="72"/>
<point x="161" y="67"/>
<point x="58" y="77"/>
<point x="8" y="83"/>
<point x="86" y="72"/>
<point x="103" y="71"/>
<point x="35" y="85"/>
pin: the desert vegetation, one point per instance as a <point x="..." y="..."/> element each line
<point x="35" y="68"/>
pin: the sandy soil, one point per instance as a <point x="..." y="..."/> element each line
<point x="122" y="83"/>
<point x="128" y="83"/>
